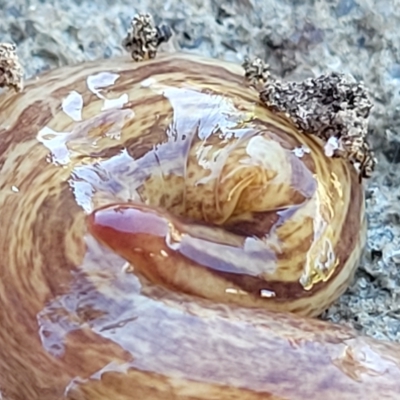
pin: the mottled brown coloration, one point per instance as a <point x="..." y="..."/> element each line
<point x="78" y="323"/>
<point x="11" y="73"/>
<point x="144" y="37"/>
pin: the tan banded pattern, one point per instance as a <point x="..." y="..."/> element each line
<point x="76" y="322"/>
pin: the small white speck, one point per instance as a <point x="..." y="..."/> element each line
<point x="14" y="189"/>
<point x="267" y="293"/>
<point x="127" y="268"/>
<point x="164" y="253"/>
<point x="234" y="291"/>
<point x="331" y="145"/>
<point x="300" y="151"/>
<point x="148" y="82"/>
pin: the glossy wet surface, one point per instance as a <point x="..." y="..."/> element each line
<point x="185" y="319"/>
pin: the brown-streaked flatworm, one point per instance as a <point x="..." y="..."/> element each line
<point x="165" y="235"/>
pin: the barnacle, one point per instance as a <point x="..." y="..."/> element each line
<point x="334" y="107"/>
<point x="11" y="73"/>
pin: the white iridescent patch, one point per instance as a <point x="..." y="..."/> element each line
<point x="331" y="145"/>
<point x="72" y="105"/>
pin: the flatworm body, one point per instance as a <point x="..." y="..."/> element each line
<point x="158" y="226"/>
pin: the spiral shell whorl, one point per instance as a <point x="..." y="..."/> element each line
<point x="84" y="137"/>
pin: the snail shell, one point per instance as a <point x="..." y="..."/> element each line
<point x="155" y="216"/>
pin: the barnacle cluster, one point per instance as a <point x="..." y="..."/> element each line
<point x="333" y="107"/>
<point x="11" y="73"/>
<point x="256" y="71"/>
<point x="144" y="37"/>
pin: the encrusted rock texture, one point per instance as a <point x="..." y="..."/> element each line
<point x="299" y="39"/>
